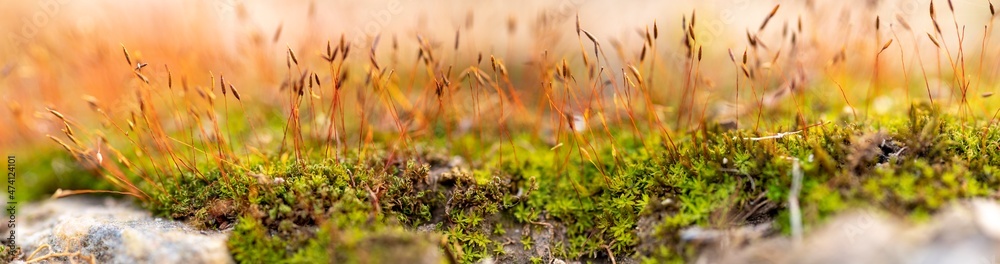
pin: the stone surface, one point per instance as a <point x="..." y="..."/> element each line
<point x="964" y="232"/>
<point x="80" y="229"/>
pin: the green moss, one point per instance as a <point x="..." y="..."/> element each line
<point x="630" y="199"/>
<point x="912" y="168"/>
<point x="251" y="243"/>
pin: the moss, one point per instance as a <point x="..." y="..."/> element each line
<point x="910" y="168"/>
<point x="251" y="243"/>
<point x="579" y="201"/>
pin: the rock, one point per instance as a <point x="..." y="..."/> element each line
<point x="81" y="229"/>
<point x="964" y="232"/>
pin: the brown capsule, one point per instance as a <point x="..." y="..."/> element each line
<point x="565" y="69"/>
<point x="635" y="72"/>
<point x="235" y="92"/>
<point x="342" y="45"/>
<point x="769" y="16"/>
<point x="642" y="55"/>
<point x="170" y="78"/>
<point x="277" y="34"/>
<point x="128" y="58"/>
<point x="143" y="77"/>
<point x="56" y="113"/>
<point x="692" y="18"/>
<point x="133" y="120"/>
<point x="341" y="79"/>
<point x="68" y="130"/>
<point x="395" y="43"/>
<point x="511" y="24"/>
<point x="61" y="143"/>
<point x="329" y="51"/>
<point x="375" y="42"/>
<point x="933" y="40"/>
<point x="142" y="103"/>
<point x="469" y="19"/>
<point x="589" y="36"/>
<point x="577" y="24"/>
<point x="886" y="46"/>
<point x="656" y="31"/>
<point x="374" y="62"/>
<point x="292" y="55"/>
<point x="932" y="10"/>
<point x="649" y="38"/>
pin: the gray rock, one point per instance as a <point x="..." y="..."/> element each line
<point x="964" y="232"/>
<point x="82" y="229"/>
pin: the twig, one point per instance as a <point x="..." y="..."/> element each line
<point x="777" y="136"/>
<point x="52" y="254"/>
<point x="793" y="202"/>
<point x="610" y="254"/>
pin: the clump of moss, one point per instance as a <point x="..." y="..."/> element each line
<point x="251" y="242"/>
<point x="908" y="168"/>
<point x="578" y="202"/>
<point x="285" y="210"/>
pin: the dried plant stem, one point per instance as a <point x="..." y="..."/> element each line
<point x="902" y="63"/>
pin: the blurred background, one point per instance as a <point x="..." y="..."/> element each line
<point x="55" y="52"/>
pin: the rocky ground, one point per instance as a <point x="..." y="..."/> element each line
<point x="95" y="230"/>
<point x="964" y="232"/>
<point x="100" y="230"/>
